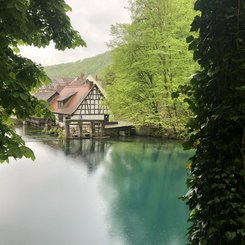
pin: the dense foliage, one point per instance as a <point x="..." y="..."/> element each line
<point x="217" y="179"/>
<point x="30" y="22"/>
<point x="94" y="66"/>
<point x="150" y="61"/>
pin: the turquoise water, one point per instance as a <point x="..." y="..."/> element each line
<point x="105" y="192"/>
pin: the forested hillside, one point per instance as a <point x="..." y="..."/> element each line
<point x="93" y="66"/>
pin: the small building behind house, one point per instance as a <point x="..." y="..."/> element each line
<point x="46" y="94"/>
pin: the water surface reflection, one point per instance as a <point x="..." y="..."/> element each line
<point x="144" y="181"/>
<point x="105" y="192"/>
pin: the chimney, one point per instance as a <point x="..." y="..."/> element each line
<point x="90" y="83"/>
<point x="97" y="79"/>
<point x="82" y="76"/>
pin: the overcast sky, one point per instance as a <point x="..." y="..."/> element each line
<point x="93" y="19"/>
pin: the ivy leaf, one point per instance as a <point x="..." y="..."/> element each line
<point x="230" y="235"/>
<point x="189" y="39"/>
<point x="196" y="23"/>
<point x="198" y="5"/>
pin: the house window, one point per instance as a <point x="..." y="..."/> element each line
<point x="60" y="104"/>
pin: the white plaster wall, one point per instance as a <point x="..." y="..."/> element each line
<point x="88" y="117"/>
<point x="93" y="117"/>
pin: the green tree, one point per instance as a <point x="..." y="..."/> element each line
<point x="29" y="22"/>
<point x="151" y="60"/>
<point x="216" y="184"/>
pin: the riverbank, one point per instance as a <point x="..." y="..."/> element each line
<point x="146" y="131"/>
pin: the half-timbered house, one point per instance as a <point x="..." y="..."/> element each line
<point x="82" y="99"/>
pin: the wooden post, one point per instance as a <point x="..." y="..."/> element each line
<point x="92" y="129"/>
<point x="102" y="129"/>
<point x="67" y="129"/>
<point x="80" y="125"/>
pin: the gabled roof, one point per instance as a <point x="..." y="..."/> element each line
<point x="73" y="94"/>
<point x="90" y="78"/>
<point x="45" y="94"/>
<point x="76" y="95"/>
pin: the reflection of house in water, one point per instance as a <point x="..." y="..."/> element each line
<point x="88" y="151"/>
<point x="91" y="152"/>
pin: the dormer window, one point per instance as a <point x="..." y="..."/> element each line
<point x="60" y="104"/>
<point x="64" y="98"/>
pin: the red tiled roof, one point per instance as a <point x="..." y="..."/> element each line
<point x="66" y="96"/>
<point x="78" y="95"/>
